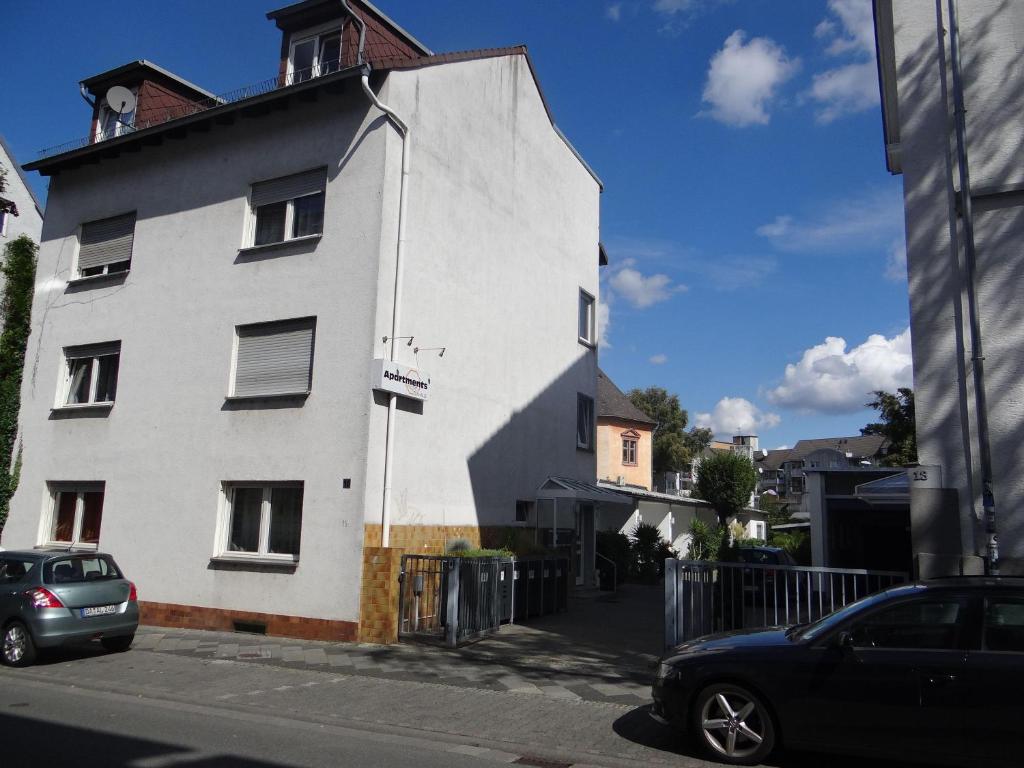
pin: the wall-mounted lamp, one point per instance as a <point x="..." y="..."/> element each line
<point x="417" y="350"/>
<point x="396" y="338"/>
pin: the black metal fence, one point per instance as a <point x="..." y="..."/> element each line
<point x="702" y="597"/>
<point x="457" y="599"/>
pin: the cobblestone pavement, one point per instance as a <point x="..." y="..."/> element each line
<point x="461" y="668"/>
<point x="603" y="649"/>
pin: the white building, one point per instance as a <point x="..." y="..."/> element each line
<point x="219" y="277"/>
<point x="918" y="102"/>
<point x="20" y="212"/>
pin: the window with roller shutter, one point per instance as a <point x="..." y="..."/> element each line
<point x="288" y="208"/>
<point x="274" y="359"/>
<point x="105" y="246"/>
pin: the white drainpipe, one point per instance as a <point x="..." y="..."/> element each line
<point x="403" y="128"/>
<point x="396" y="315"/>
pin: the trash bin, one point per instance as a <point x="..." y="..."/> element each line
<point x="549" y="570"/>
<point x="521" y="604"/>
<point x="535" y="586"/>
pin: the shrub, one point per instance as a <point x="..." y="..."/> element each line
<point x="617" y="548"/>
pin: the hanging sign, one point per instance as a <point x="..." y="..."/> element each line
<point x="400" y="379"/>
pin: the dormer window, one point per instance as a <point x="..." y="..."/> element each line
<point x="107" y="123"/>
<point x="315" y="55"/>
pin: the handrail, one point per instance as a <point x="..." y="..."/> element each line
<point x="615" y="571"/>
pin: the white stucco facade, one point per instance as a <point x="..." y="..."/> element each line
<point x="914" y="57"/>
<point x="502" y="234"/>
<point x="29" y="220"/>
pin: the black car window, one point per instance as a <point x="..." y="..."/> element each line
<point x="80" y="568"/>
<point x="13" y="570"/>
<point x="759" y="557"/>
<point x="934" y="624"/>
<point x="1004" y="624"/>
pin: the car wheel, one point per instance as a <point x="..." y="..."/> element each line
<point x="18" y="650"/>
<point x="117" y="644"/>
<point x="733" y="725"/>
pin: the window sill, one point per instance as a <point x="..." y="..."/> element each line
<point x="92" y="281"/>
<point x="255" y="563"/>
<point x="82" y="408"/>
<point x="585" y="448"/>
<point x="280" y="244"/>
<point x="587" y="344"/>
<point x="275" y="396"/>
<point x="67" y="546"/>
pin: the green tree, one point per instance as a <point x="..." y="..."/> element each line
<point x="670" y="452"/>
<point x="897" y="424"/>
<point x="19" y="270"/>
<point x="725" y="480"/>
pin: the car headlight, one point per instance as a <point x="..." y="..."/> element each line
<point x="665" y="671"/>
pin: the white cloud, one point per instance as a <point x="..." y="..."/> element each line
<point x="659" y="359"/>
<point x="831" y="379"/>
<point x="743" y="78"/>
<point x="613" y="11"/>
<point x="737" y="416"/>
<point x="871" y="219"/>
<point x="604" y="322"/>
<point x="643" y="291"/>
<point x="674" y="6"/>
<point x="845" y="91"/>
<point x="896" y="265"/>
<point x="858" y="28"/>
<point x="852" y="87"/>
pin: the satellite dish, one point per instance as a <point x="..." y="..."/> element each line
<point x="121" y="100"/>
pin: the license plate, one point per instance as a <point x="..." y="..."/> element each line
<point x="101" y="610"/>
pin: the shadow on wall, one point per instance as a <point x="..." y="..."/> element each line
<point x="943" y="378"/>
<point x="537" y="441"/>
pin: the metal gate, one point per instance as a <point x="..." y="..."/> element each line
<point x="702" y="597"/>
<point x="454" y="599"/>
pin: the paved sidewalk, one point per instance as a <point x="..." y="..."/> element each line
<point x="603" y="649"/>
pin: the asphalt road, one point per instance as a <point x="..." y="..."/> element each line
<point x="145" y="709"/>
<point x="48" y="724"/>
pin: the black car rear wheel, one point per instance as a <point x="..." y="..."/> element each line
<point x="117" y="644"/>
<point x="733" y="725"/>
<point x="17" y="649"/>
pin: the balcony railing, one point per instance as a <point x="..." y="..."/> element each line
<point x="177" y="112"/>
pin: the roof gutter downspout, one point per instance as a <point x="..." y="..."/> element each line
<point x="396" y="315"/>
<point x="970" y="260"/>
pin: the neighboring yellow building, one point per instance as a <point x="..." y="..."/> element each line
<point x="624" y="437"/>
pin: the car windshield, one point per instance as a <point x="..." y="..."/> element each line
<point x="80" y="568"/>
<point x="823" y="625"/>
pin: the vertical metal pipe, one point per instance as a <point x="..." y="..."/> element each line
<point x="977" y="355"/>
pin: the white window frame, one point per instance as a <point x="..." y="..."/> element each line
<point x="83" y="353"/>
<point x="630" y="443"/>
<point x="588" y="304"/>
<point x="76" y="271"/>
<point x="589" y="445"/>
<point x="3" y="223"/>
<point x="289" y="220"/>
<point x="224" y="517"/>
<point x="49" y="518"/>
<point x="316" y="34"/>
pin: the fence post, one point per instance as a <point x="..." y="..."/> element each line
<point x="671" y="602"/>
<point x="452" y="619"/>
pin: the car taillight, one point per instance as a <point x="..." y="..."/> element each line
<point x="133" y="596"/>
<point x="43" y="598"/>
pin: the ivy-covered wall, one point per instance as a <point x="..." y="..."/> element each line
<point x="19" y="270"/>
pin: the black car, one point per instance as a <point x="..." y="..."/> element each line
<point x="932" y="671"/>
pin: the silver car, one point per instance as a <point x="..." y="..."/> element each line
<point x="49" y="599"/>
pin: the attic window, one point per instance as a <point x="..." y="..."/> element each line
<point x="315" y="55"/>
<point x="109" y="124"/>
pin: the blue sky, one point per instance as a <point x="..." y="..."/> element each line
<point x="757" y="266"/>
